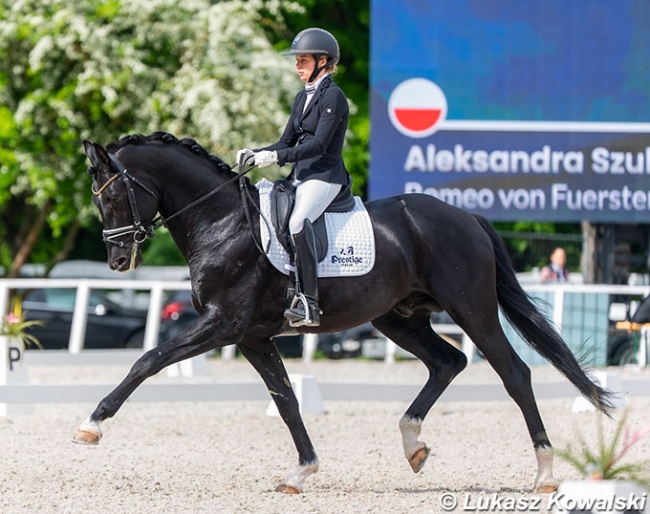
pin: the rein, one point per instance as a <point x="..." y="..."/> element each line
<point x="160" y="221"/>
<point x="142" y="233"/>
<point x="245" y="198"/>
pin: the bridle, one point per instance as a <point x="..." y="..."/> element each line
<point x="140" y="232"/>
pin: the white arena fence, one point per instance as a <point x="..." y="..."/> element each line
<point x="155" y="289"/>
<point x="580" y="312"/>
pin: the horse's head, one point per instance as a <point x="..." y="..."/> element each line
<point x="126" y="204"/>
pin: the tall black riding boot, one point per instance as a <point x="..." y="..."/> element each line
<point x="304" y="310"/>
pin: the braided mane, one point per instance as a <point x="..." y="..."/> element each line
<point x="167" y="138"/>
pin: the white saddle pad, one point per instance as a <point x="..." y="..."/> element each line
<point x="351" y="249"/>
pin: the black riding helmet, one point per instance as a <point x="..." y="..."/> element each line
<point x="317" y="42"/>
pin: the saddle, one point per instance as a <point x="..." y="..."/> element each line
<point x="283" y="198"/>
<point x="344" y="232"/>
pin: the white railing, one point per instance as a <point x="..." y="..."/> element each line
<point x="156" y="289"/>
<point x="26" y="393"/>
<point x="559" y="293"/>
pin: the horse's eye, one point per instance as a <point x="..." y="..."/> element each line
<point x="114" y="199"/>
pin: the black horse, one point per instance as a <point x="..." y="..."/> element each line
<point x="430" y="257"/>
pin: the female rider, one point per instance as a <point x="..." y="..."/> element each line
<point x="313" y="142"/>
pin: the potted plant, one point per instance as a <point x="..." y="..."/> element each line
<point x="14" y="339"/>
<point x="611" y="483"/>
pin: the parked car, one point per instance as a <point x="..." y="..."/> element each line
<point x="178" y="312"/>
<point x="361" y="341"/>
<point x="349" y="343"/>
<point x="623" y="346"/>
<point x="108" y="324"/>
<point x="366" y="341"/>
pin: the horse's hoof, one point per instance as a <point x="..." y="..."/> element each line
<point x="86" y="436"/>
<point x="287" y="489"/>
<point x="418" y="459"/>
<point x="547" y="488"/>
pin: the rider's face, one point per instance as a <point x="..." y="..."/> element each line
<point x="305" y="64"/>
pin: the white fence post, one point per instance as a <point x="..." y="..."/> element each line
<point x="228" y="352"/>
<point x="79" y="317"/>
<point x="468" y="348"/>
<point x="643" y="356"/>
<point x="4" y="299"/>
<point x="309" y="345"/>
<point x="558" y="309"/>
<point x="391" y="347"/>
<point x="153" y="318"/>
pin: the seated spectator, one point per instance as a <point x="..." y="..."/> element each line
<point x="556" y="270"/>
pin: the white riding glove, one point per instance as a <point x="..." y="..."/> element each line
<point x="245" y="156"/>
<point x="265" y="158"/>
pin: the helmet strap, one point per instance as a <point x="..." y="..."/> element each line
<point x="317" y="69"/>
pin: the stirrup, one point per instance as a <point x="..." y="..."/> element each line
<point x="301" y="313"/>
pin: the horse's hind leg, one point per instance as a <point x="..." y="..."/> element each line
<point x="266" y="360"/>
<point x="442" y="360"/>
<point x="515" y="374"/>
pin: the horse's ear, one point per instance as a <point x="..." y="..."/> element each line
<point x="96" y="153"/>
<point x="88" y="145"/>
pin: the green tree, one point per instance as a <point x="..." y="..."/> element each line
<point x="98" y="69"/>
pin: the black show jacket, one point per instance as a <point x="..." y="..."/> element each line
<point x="313" y="140"/>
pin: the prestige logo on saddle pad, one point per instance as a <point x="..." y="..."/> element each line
<point x="351" y="249"/>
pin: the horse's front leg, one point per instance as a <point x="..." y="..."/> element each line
<point x="265" y="358"/>
<point x="195" y="340"/>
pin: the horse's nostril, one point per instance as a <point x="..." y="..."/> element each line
<point x="119" y="263"/>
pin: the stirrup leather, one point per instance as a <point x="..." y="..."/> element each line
<point x="310" y="315"/>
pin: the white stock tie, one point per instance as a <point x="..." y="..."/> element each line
<point x="310" y="93"/>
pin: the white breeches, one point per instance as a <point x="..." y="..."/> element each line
<point x="312" y="198"/>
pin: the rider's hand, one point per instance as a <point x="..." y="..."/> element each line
<point x="245" y="156"/>
<point x="265" y="158"/>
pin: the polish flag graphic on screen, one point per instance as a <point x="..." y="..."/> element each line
<point x="417" y="107"/>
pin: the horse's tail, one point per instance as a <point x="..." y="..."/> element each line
<point x="535" y="328"/>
